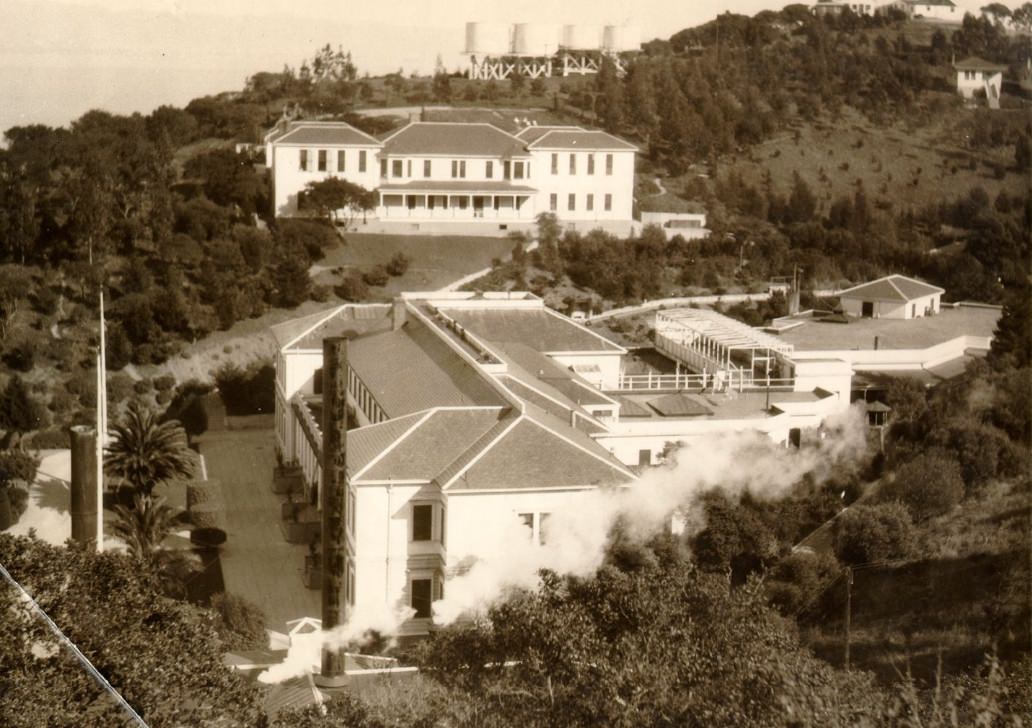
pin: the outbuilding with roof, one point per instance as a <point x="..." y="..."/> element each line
<point x="895" y="297"/>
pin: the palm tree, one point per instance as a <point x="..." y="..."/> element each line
<point x="144" y="526"/>
<point x="145" y="452"/>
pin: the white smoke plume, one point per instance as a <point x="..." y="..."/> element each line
<point x="304" y="655"/>
<point x="577" y="536"/>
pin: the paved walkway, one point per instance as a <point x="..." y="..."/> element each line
<point x="256" y="562"/>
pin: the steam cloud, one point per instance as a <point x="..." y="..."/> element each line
<point x="746" y="462"/>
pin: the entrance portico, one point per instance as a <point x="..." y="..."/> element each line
<point x="455" y="201"/>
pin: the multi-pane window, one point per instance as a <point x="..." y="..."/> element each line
<point x="322" y="160"/>
<point x="609" y="202"/>
<point x="553" y="202"/>
<point x="408" y="168"/>
<point x="489" y="169"/>
<point x="573" y="164"/>
<point x="303" y="165"/>
<point x="571" y="202"/>
<point x="426" y="167"/>
<point x="609" y="164"/>
<point x="591" y="164"/>
<point x="423" y="522"/>
<point x="383" y="167"/>
<point x="517" y="170"/>
<point x="396" y="168"/>
<point x="361" y="160"/>
<point x="341" y="160"/>
<point x="555" y="163"/>
<point x="458" y="169"/>
<point x="591" y="203"/>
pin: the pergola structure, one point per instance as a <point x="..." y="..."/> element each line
<point x="709" y="342"/>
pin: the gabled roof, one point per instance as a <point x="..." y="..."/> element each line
<point x="569" y="140"/>
<point x="533" y="133"/>
<point x="532" y="456"/>
<point x="891" y="288"/>
<point x="328" y="133"/>
<point x="412" y="369"/>
<point x="307" y="332"/>
<point x="540" y="329"/>
<point x="974" y="63"/>
<point x="429" y="445"/>
<point x="459" y="139"/>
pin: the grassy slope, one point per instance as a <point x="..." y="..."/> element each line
<point x="968" y="595"/>
<point x="905" y="166"/>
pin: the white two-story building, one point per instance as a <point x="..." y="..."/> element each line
<point x="482" y="414"/>
<point x="443" y="176"/>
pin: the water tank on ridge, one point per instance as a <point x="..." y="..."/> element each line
<point x="535" y="39"/>
<point x="488" y="39"/>
<point x="582" y="37"/>
<point x="621" y="38"/>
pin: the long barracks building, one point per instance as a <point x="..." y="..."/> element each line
<point x="445" y="174"/>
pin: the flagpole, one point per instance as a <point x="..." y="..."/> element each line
<point x="101" y="427"/>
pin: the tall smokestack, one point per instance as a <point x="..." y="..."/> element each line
<point x="333" y="500"/>
<point x="84" y="484"/>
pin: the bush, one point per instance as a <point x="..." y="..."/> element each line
<point x="321" y="293"/>
<point x="45" y="300"/>
<point x="142" y="386"/>
<point x="61" y="401"/>
<point x="19" y="500"/>
<point x="164" y="383"/>
<point x="52" y="439"/>
<point x="927" y="486"/>
<point x="873" y="533"/>
<point x="247" y="391"/>
<point x="240" y="622"/>
<point x="399" y="263"/>
<point x="163" y="397"/>
<point x="20" y="354"/>
<point x="120" y="386"/>
<point x="376" y="276"/>
<point x="799" y="578"/>
<point x="17" y="465"/>
<point x="352" y="288"/>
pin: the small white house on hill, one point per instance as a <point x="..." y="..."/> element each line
<point x="894" y="296"/>
<point x="977" y="75"/>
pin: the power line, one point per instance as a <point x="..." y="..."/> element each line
<point x="75" y="650"/>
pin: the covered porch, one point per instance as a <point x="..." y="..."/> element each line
<point x="456" y="201"/>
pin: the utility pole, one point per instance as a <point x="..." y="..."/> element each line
<point x="849" y="610"/>
<point x="333" y="501"/>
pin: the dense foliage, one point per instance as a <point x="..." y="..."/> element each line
<point x="162" y="656"/>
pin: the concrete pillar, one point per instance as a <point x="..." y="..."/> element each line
<point x="84" y="484"/>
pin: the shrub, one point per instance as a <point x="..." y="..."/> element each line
<point x="247" y="391"/>
<point x="873" y="533"/>
<point x="17" y="465"/>
<point x="20" y="354"/>
<point x="19" y="500"/>
<point x="164" y="383"/>
<point x="52" y="439"/>
<point x="163" y="397"/>
<point x="120" y="386"/>
<point x="61" y="401"/>
<point x="142" y="386"/>
<point x="7" y="518"/>
<point x="240" y="622"/>
<point x="799" y="578"/>
<point x="399" y="263"/>
<point x="376" y="276"/>
<point x="927" y="486"/>
<point x="45" y="300"/>
<point x="352" y="288"/>
<point x="321" y="293"/>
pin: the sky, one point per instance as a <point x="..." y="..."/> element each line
<point x="61" y="58"/>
